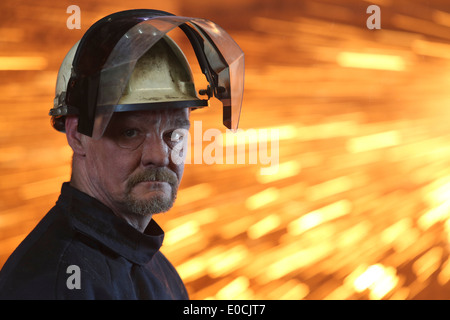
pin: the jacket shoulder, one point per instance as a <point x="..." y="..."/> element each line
<point x="49" y="263"/>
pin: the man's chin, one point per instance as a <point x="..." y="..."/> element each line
<point x="155" y="201"/>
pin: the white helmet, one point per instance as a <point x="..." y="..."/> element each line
<point x="64" y="74"/>
<point x="161" y="74"/>
<point x="127" y="62"/>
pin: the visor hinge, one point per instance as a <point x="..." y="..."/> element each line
<point x="63" y="111"/>
<point x="59" y="111"/>
<point x="219" y="92"/>
<point x="208" y="91"/>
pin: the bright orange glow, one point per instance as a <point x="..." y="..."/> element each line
<point x="312" y="219"/>
<point x="358" y="207"/>
<point x="428" y="263"/>
<point x="263" y="227"/>
<point x="378" y="279"/>
<point x="432" y="49"/>
<point x="370" y="61"/>
<point x="23" y="63"/>
<point x="285" y="170"/>
<point x="181" y="232"/>
<point x="234" y="290"/>
<point x="262" y="198"/>
<point x="374" y="141"/>
<point x="444" y="275"/>
<point x="441" y="17"/>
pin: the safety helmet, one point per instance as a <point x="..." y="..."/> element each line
<point x="127" y="62"/>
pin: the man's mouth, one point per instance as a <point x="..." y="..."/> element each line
<point x="155" y="176"/>
<point x="154" y="181"/>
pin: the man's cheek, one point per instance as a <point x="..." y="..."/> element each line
<point x="179" y="172"/>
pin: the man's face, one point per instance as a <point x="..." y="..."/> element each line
<point x="131" y="167"/>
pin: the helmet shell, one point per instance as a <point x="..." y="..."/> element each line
<point x="161" y="74"/>
<point x="127" y="62"/>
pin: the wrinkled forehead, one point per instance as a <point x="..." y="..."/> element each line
<point x="167" y="118"/>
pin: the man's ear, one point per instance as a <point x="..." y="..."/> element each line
<point x="74" y="138"/>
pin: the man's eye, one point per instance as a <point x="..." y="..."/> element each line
<point x="177" y="135"/>
<point x="130" y="133"/>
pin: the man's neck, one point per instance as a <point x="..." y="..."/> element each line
<point x="139" y="222"/>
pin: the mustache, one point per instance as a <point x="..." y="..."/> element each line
<point x="153" y="174"/>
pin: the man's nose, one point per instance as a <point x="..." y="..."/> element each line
<point x="155" y="152"/>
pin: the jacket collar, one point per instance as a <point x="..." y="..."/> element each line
<point x="92" y="218"/>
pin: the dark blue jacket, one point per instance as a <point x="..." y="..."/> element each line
<point x="81" y="250"/>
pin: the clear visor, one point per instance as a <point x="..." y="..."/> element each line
<point x="225" y="61"/>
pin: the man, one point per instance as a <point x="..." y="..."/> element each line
<point x="123" y="97"/>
